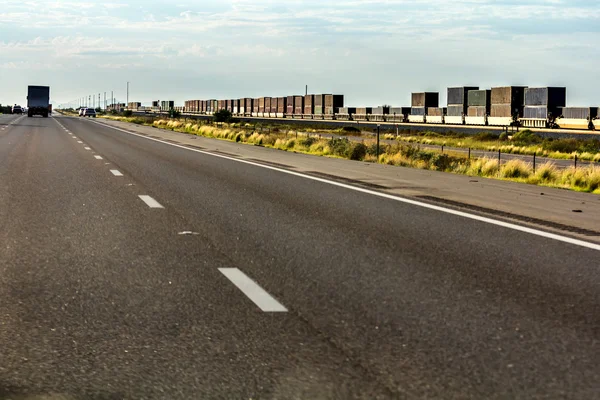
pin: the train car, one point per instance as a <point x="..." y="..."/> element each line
<point x="362" y="114"/>
<point x="435" y="115"/>
<point x="577" y="118"/>
<point x="479" y="104"/>
<point x="333" y="102"/>
<point x="458" y="104"/>
<point x="379" y="114"/>
<point x="398" y="114"/>
<point x="543" y="106"/>
<point x="345" y="113"/>
<point x="417" y="115"/>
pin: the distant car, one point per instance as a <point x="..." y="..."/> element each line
<point x="17" y="109"/>
<point x="89" y="112"/>
<point x="81" y="110"/>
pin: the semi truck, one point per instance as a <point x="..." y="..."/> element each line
<point x="38" y="101"/>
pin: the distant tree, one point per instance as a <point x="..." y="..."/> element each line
<point x="222" y="116"/>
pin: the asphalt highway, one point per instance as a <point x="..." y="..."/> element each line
<point x="135" y="269"/>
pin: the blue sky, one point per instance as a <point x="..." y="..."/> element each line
<point x="372" y="51"/>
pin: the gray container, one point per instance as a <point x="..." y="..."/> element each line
<point x="417" y="111"/>
<point x="380" y="110"/>
<point x="479" y="98"/>
<point x="552" y="97"/>
<point x="536" y="112"/>
<point x="425" y="99"/>
<point x="364" y="110"/>
<point x="399" y="110"/>
<point x="456" y="110"/>
<point x="579" y="112"/>
<point x="459" y="95"/>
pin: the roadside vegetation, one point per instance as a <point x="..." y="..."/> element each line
<point x="522" y="142"/>
<point x="585" y="179"/>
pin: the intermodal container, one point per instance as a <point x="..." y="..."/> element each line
<point x="417" y="111"/>
<point x="319" y="104"/>
<point x="309" y="105"/>
<point x="248" y="103"/>
<point x="580" y="112"/>
<point x="477" y="111"/>
<point x="435" y="111"/>
<point x="425" y="99"/>
<point x="364" y="110"/>
<point x="290" y="105"/>
<point x="261" y="105"/>
<point x="456" y="110"/>
<point x="504" y="111"/>
<point x="281" y="106"/>
<point x="458" y="96"/>
<point x="479" y="98"/>
<point x="532" y="112"/>
<point x="299" y="105"/>
<point x="380" y="110"/>
<point x="552" y="97"/>
<point x="267" y="105"/>
<point x="273" y="106"/>
<point x="333" y="102"/>
<point x="513" y="95"/>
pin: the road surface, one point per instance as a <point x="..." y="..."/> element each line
<point x="134" y="268"/>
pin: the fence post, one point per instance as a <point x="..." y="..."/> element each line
<point x="498" y="159"/>
<point x="534" y="161"/>
<point x="469" y="153"/>
<point x="377" y="152"/>
<point x="442" y="149"/>
<point x="575" y="161"/>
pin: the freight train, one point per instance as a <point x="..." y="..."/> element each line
<point x="500" y="106"/>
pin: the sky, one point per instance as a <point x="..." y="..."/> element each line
<point x="373" y="51"/>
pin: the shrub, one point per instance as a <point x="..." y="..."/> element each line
<point x="486" y="137"/>
<point x="503" y="136"/>
<point x="340" y="146"/>
<point x="490" y="168"/>
<point x="307" y="141"/>
<point x="222" y="116"/>
<point x="515" y="169"/>
<point x="526" y="137"/>
<point x="546" y="172"/>
<point x="359" y="151"/>
<point x="127" y="113"/>
<point x="350" y="129"/>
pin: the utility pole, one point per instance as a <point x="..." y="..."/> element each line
<point x="127" y="94"/>
<point x="104" y="101"/>
<point x="306" y="91"/>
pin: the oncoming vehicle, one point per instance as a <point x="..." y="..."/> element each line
<point x="81" y="110"/>
<point x="17" y="109"/>
<point x="89" y="112"/>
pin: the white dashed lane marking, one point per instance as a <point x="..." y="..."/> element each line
<point x="150" y="202"/>
<point x="87" y="148"/>
<point x="98" y="157"/>
<point x="252" y="290"/>
<point x="116" y="172"/>
<point x="79" y="141"/>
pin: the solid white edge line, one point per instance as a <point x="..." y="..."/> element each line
<point x="116" y="172"/>
<point x="252" y="290"/>
<point x="532" y="231"/>
<point x="150" y="202"/>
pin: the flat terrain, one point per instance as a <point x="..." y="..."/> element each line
<point x="138" y="263"/>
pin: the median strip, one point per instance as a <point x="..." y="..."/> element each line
<point x="252" y="290"/>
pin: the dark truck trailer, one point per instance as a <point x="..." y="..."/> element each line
<point x="38" y="101"/>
